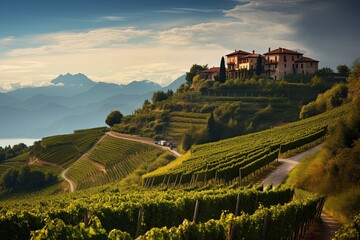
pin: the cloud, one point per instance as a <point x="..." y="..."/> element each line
<point x="76" y="42"/>
<point x="327" y="30"/>
<point x="5" y="41"/>
<point x="113" y="18"/>
<point x="188" y="10"/>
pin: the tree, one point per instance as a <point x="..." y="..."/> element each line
<point x="159" y="96"/>
<point x="195" y="69"/>
<point x="354" y="79"/>
<point x="212" y="128"/>
<point x="115" y="117"/>
<point x="343" y="69"/>
<point x="259" y="65"/>
<point x="325" y="71"/>
<point x="222" y="74"/>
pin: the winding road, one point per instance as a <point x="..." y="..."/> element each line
<point x="71" y="182"/>
<point x="121" y="136"/>
<point x="324" y="230"/>
<point x="63" y="173"/>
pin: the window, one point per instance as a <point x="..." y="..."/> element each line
<point x="310" y="63"/>
<point x="292" y="58"/>
<point x="271" y="61"/>
<point x="284" y="58"/>
<point x="285" y="65"/>
<point x="302" y="66"/>
<point x="275" y="66"/>
<point x="297" y="66"/>
<point x="275" y="58"/>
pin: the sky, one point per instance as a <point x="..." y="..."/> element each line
<point x="121" y="41"/>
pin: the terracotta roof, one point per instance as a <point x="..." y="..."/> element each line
<point x="252" y="55"/>
<point x="282" y="51"/>
<point x="238" y="52"/>
<point x="211" y="70"/>
<point x="306" y="59"/>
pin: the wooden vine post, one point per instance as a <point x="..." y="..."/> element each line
<point x="196" y="211"/>
<point x="139" y="220"/>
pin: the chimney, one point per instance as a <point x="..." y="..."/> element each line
<point x="269" y="49"/>
<point x="253" y="51"/>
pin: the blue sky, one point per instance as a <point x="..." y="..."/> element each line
<point x="121" y="41"/>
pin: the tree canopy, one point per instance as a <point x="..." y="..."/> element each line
<point x="343" y="69"/>
<point x="195" y="69"/>
<point x="115" y="117"/>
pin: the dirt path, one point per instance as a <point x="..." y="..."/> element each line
<point x="326" y="228"/>
<point x="323" y="230"/>
<point x="142" y="140"/>
<point x="287" y="164"/>
<point x="71" y="183"/>
<point x="63" y="173"/>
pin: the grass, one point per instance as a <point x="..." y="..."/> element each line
<point x="339" y="205"/>
<point x="298" y="172"/>
<point x="163" y="170"/>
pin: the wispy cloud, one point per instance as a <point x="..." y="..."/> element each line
<point x="5" y="41"/>
<point x="188" y="10"/>
<point x="74" y="42"/>
<point x="114" y="18"/>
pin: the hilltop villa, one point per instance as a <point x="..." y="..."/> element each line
<point x="276" y="64"/>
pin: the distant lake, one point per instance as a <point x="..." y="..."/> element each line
<point x="12" y="141"/>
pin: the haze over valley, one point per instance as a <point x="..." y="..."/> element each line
<point x="70" y="102"/>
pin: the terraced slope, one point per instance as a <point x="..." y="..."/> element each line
<point x="110" y="160"/>
<point x="241" y="156"/>
<point x="65" y="149"/>
<point x="180" y="122"/>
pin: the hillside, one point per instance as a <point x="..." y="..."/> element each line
<point x="223" y="159"/>
<point x="111" y="160"/>
<point x="239" y="106"/>
<point x="110" y="209"/>
<point x="63" y="150"/>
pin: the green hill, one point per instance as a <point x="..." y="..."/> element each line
<point x="110" y="160"/>
<point x="223" y="159"/>
<point x="62" y="150"/>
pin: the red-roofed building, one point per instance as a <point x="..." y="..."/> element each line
<point x="232" y="62"/>
<point x="282" y="61"/>
<point x="241" y="64"/>
<point x="210" y="73"/>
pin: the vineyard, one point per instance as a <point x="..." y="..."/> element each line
<point x="110" y="160"/>
<point x="241" y="156"/>
<point x="180" y="122"/>
<point x="97" y="215"/>
<point x="65" y="149"/>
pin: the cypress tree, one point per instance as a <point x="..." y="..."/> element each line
<point x="259" y="65"/>
<point x="222" y="74"/>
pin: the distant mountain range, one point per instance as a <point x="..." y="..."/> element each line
<point x="71" y="102"/>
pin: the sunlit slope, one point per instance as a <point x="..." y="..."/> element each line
<point x="223" y="159"/>
<point x="110" y="160"/>
<point x="65" y="149"/>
